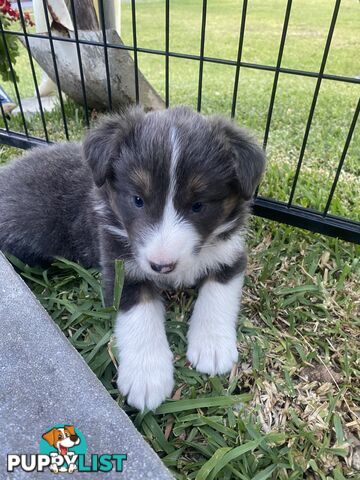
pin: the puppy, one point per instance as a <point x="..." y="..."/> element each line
<point x="169" y="193"/>
<point x="62" y="439"/>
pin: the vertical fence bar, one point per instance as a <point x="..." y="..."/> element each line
<point x="4" y="117"/>
<point x="31" y="61"/>
<point x="202" y="50"/>
<point x="276" y="76"/>
<point x="136" y="71"/>
<point x="342" y="158"/>
<point x="48" y="26"/>
<point x="167" y="47"/>
<point x="239" y="56"/>
<point x="76" y="33"/>
<point x="315" y="97"/>
<point x="13" y="77"/>
<point x="106" y="56"/>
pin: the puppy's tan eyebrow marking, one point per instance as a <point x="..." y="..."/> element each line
<point x="229" y="204"/>
<point x="142" y="179"/>
<point x="197" y="183"/>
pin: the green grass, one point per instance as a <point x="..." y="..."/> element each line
<point x="308" y="28"/>
<point x="289" y="408"/>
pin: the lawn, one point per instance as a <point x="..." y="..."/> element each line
<point x="290" y="409"/>
<point x="308" y="28"/>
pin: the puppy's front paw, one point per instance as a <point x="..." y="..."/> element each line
<point x="54" y="468"/>
<point x="146" y="381"/>
<point x="212" y="354"/>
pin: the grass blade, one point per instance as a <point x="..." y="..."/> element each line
<point x="192" y="404"/>
<point x="208" y="466"/>
<point x="119" y="282"/>
<point x="233" y="454"/>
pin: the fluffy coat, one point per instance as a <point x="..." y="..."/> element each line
<point x="169" y="193"/>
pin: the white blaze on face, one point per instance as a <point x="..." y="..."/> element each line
<point x="171" y="242"/>
<point x="174" y="239"/>
<point x="65" y="441"/>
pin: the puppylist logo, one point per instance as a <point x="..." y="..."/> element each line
<point x="62" y="449"/>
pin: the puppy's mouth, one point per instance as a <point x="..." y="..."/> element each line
<point x="63" y="450"/>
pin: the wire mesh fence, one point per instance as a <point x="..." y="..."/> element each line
<point x="289" y="206"/>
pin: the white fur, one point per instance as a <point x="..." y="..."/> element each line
<point x="66" y="441"/>
<point x="173" y="240"/>
<point x="212" y="333"/>
<point x="175" y="152"/>
<point x="119" y="232"/>
<point x="193" y="266"/>
<point x="100" y="206"/>
<point x="145" y="372"/>
<point x="225" y="227"/>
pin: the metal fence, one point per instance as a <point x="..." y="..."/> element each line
<point x="286" y="212"/>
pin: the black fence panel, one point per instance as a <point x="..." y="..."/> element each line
<point x="272" y="208"/>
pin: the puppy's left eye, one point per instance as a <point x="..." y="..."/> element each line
<point x="139" y="202"/>
<point x="197" y="207"/>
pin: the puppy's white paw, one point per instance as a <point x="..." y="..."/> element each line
<point x="54" y="468"/>
<point x="146" y="381"/>
<point x="211" y="354"/>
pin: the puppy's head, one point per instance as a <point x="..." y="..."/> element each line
<point x="178" y="181"/>
<point x="62" y="438"/>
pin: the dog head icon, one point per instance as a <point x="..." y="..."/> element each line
<point x="62" y="438"/>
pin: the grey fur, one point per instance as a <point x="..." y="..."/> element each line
<point x="46" y="206"/>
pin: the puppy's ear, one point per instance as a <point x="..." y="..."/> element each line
<point x="70" y="429"/>
<point x="50" y="436"/>
<point x="102" y="145"/>
<point x="248" y="156"/>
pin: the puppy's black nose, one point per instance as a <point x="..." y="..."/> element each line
<point x="163" y="268"/>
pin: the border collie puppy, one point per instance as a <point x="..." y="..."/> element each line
<point x="168" y="192"/>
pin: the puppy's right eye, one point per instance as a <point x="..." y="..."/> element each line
<point x="139" y="202"/>
<point x="197" y="207"/>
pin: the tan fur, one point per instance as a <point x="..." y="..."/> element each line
<point x="51" y="436"/>
<point x="229" y="204"/>
<point x="197" y="183"/>
<point x="70" y="429"/>
<point x="142" y="179"/>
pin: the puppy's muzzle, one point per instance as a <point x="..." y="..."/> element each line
<point x="162" y="268"/>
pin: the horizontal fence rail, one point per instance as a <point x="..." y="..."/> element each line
<point x="271" y="208"/>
